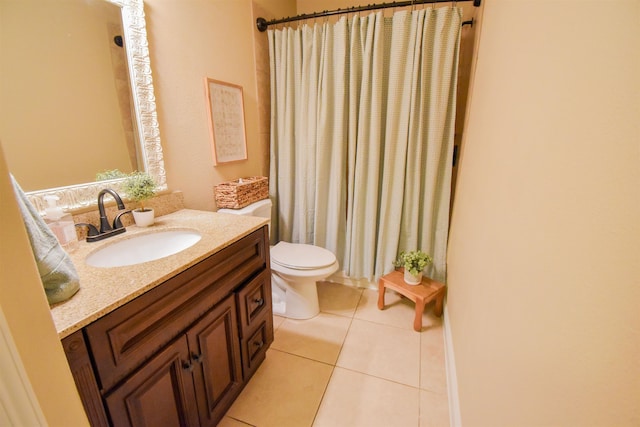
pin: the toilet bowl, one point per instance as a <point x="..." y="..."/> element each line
<point x="295" y="269"/>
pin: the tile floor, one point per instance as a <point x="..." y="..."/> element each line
<point x="352" y="365"/>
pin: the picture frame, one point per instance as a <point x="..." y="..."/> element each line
<point x="225" y="107"/>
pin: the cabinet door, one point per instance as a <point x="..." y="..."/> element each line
<point x="215" y="353"/>
<point x="159" y="394"/>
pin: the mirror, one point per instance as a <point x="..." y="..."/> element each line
<point x="125" y="135"/>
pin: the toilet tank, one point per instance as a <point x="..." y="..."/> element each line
<point x="261" y="208"/>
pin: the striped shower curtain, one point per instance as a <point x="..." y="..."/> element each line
<point x="362" y="127"/>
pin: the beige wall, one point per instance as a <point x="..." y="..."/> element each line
<point x="191" y="40"/>
<point x="24" y="305"/>
<point x="544" y="255"/>
<point x="275" y="9"/>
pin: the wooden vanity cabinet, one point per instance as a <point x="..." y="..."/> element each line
<point x="181" y="353"/>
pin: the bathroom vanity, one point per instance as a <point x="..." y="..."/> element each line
<point x="178" y="349"/>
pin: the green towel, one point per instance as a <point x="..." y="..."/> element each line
<point x="57" y="272"/>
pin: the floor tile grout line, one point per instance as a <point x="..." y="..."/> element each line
<point x="361" y="290"/>
<point x="379" y="378"/>
<point x="324" y="392"/>
<point x="302" y="357"/>
<point x="240" y="421"/>
<point x="333" y="369"/>
<point x="391" y="326"/>
<point x="335" y="364"/>
<point x="348" y="329"/>
<point x="321" y="361"/>
<point x="357" y="305"/>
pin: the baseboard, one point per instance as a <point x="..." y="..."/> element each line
<point x="452" y="380"/>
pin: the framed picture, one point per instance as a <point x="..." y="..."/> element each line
<point x="225" y="105"/>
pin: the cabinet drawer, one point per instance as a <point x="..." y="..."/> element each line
<point x="124" y="339"/>
<point x="254" y="347"/>
<point x="254" y="299"/>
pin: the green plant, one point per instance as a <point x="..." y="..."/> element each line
<point x="110" y="174"/>
<point x="413" y="261"/>
<point x="140" y="187"/>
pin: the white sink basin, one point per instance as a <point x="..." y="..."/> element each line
<point x="143" y="248"/>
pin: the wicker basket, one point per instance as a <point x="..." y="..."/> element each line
<point x="242" y="192"/>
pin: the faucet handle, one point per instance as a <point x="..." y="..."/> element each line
<point x="92" y="230"/>
<point x="117" y="223"/>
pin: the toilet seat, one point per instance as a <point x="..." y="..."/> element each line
<point x="298" y="256"/>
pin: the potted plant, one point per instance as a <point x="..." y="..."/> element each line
<point x="140" y="187"/>
<point x="414" y="263"/>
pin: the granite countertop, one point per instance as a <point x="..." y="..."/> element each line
<point x="102" y="290"/>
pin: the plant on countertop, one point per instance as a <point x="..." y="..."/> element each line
<point x="139" y="186"/>
<point x="413" y="261"/>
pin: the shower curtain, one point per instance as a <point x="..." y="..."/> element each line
<point x="362" y="126"/>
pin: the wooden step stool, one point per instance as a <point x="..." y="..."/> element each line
<point x="420" y="294"/>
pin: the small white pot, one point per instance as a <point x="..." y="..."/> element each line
<point x="144" y="218"/>
<point x="410" y="279"/>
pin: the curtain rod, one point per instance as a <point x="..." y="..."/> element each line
<point x="263" y="24"/>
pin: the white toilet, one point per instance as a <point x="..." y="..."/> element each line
<point x="295" y="269"/>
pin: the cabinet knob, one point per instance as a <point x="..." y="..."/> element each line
<point x="187" y="365"/>
<point x="196" y="357"/>
<point x="259" y="301"/>
<point x="258" y="344"/>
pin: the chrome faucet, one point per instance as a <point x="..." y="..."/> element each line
<point x="106" y="229"/>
